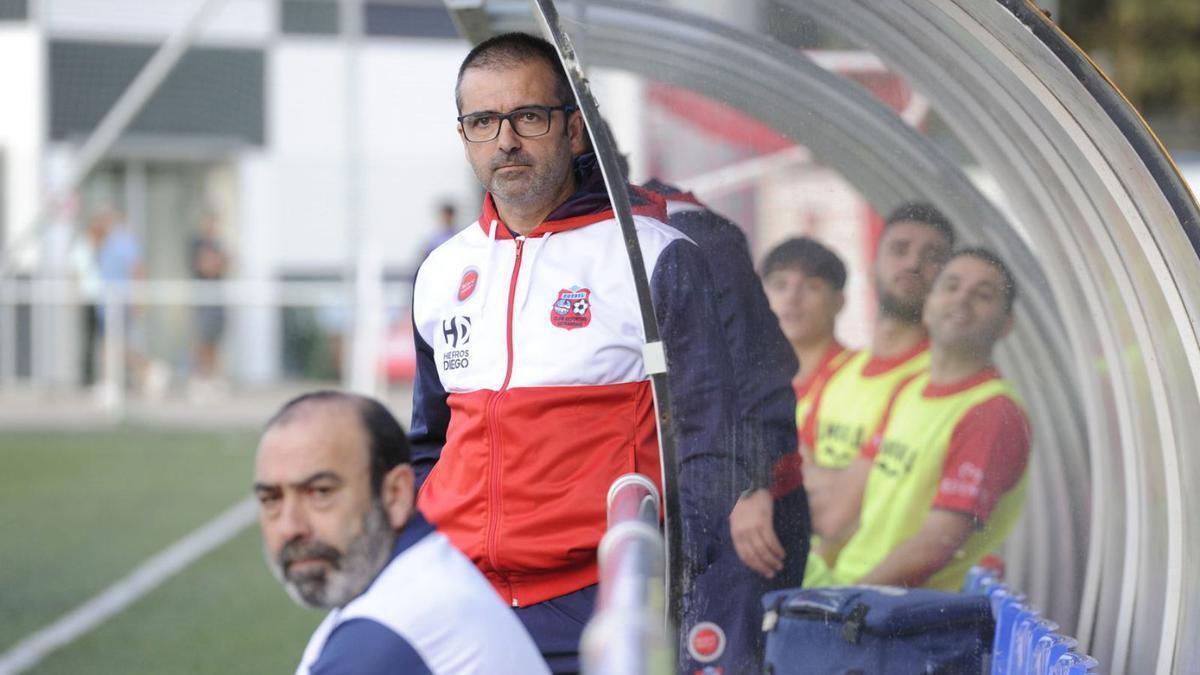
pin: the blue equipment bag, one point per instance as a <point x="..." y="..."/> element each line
<point x="869" y="630"/>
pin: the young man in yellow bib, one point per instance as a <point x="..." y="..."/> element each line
<point x="941" y="483"/>
<point x="847" y="406"/>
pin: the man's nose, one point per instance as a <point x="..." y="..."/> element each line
<point x="960" y="299"/>
<point x="292" y="522"/>
<point x="913" y="261"/>
<point x="508" y="140"/>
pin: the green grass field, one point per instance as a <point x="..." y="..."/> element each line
<point x="78" y="511"/>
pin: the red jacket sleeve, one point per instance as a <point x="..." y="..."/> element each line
<point x="989" y="450"/>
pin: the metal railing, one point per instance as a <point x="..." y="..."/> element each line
<point x="46" y="299"/>
<point x="628" y="634"/>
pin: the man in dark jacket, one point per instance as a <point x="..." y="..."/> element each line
<point x="770" y="527"/>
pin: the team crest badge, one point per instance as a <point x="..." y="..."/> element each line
<point x="572" y="309"/>
<point x="466" y="287"/>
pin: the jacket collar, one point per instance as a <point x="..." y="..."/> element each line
<point x="670" y="192"/>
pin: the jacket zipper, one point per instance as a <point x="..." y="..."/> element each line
<point x="494" y="422"/>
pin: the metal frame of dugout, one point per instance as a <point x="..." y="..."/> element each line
<point x="1104" y="241"/>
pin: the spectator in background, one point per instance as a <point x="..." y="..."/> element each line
<point x="86" y="271"/>
<point x="209" y="262"/>
<point x="120" y="253"/>
<point x="913" y="246"/>
<point x="447" y="226"/>
<point x="804" y="283"/>
<point x="119" y="260"/>
<point x="941" y="482"/>
<point x="335" y="492"/>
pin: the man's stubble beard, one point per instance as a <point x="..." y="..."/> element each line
<point x="542" y="184"/>
<point x="351" y="573"/>
<point x="967" y="344"/>
<point x="892" y="306"/>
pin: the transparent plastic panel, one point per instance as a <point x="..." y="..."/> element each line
<point x="771" y="133"/>
<point x="952" y="105"/>
<point x="1045" y="152"/>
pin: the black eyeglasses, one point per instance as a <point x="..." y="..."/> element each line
<point x="528" y="122"/>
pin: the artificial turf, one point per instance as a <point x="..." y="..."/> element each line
<point x="224" y="615"/>
<point x="79" y="510"/>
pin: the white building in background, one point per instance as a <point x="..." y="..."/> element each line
<point x="304" y="140"/>
<point x="259" y="121"/>
<point x="22" y="122"/>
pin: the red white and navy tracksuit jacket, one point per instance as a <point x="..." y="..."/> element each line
<point x="531" y="396"/>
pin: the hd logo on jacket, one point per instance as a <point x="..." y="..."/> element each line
<point x="456" y="331"/>
<point x="572" y="309"/>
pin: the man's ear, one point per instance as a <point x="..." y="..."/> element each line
<point x="1008" y="325"/>
<point x="577" y="133"/>
<point x="465" y="143"/>
<point x="397" y="493"/>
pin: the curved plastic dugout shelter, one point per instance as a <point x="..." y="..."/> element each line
<point x="1103" y="240"/>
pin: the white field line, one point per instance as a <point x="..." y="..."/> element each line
<point x="143" y="579"/>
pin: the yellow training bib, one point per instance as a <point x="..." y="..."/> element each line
<point x="852" y="404"/>
<point x="904" y="481"/>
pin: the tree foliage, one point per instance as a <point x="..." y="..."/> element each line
<point x="1150" y="48"/>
